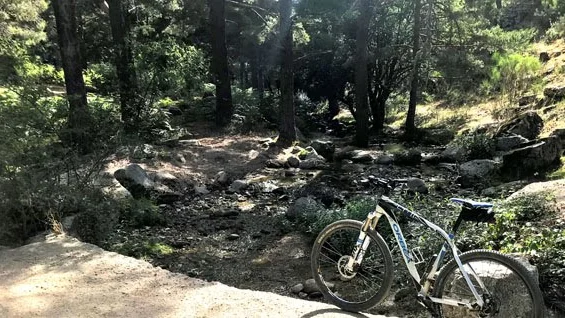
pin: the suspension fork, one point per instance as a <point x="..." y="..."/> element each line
<point x="363" y="241"/>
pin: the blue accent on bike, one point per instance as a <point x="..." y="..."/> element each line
<point x="471" y="203"/>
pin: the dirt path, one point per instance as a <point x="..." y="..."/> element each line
<point x="63" y="277"/>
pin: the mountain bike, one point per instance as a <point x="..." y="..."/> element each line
<point x="353" y="266"/>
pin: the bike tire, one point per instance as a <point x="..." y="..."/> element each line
<point x="506" y="299"/>
<point x="376" y="252"/>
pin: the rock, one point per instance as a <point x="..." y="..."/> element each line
<point x="180" y="158"/>
<point x="504" y="189"/>
<point x="556" y="188"/>
<point x="475" y="172"/>
<point x="431" y="158"/>
<point x="528" y="125"/>
<point x="385" y="160"/>
<point x="238" y="185"/>
<point x="275" y="163"/>
<point x="540" y="156"/>
<point x="509" y="142"/>
<point x="310" y="286"/>
<point x="544" y="57"/>
<point x="232" y="237"/>
<point x="313" y="163"/>
<point x="437" y="136"/>
<point x="293" y="162"/>
<point x="190" y="142"/>
<point x="324" y="148"/>
<point x="201" y="190"/>
<point x="527" y="99"/>
<point x="319" y="191"/>
<point x="555" y="92"/>
<point x="164" y="195"/>
<point x="136" y="180"/>
<point x="302" y="295"/>
<point x="454" y="153"/>
<point x="290" y="172"/>
<point x="302" y="208"/>
<point x="417" y="185"/>
<point x="221" y="177"/>
<point x="269" y="187"/>
<point x="316" y="294"/>
<point x="296" y="288"/>
<point x="308" y="151"/>
<point x="175" y="111"/>
<point x="408" y="158"/>
<point x="509" y="287"/>
<point x="361" y="156"/>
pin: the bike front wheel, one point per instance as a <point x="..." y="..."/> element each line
<point x="368" y="283"/>
<point x="505" y="286"/>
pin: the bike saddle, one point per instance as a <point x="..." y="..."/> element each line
<point x="472" y="204"/>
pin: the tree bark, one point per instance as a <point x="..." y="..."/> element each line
<point x="219" y="65"/>
<point x="378" y="109"/>
<point x="361" y="75"/>
<point x="129" y="105"/>
<point x="287" y="134"/>
<point x="411" y="117"/>
<point x="79" y="120"/>
<point x="498" y="4"/>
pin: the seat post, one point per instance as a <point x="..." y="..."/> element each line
<point x="457" y="224"/>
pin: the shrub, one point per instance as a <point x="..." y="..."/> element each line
<point x="556" y="31"/>
<point x="141" y="212"/>
<point x="313" y="222"/>
<point x="514" y="73"/>
<point x="477" y="146"/>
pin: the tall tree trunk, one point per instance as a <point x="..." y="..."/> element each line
<point x="287" y="134"/>
<point x="361" y="75"/>
<point x="129" y="104"/>
<point x="333" y="106"/>
<point x="220" y="70"/>
<point x="378" y="109"/>
<point x="498" y="4"/>
<point x="411" y="117"/>
<point x="79" y="119"/>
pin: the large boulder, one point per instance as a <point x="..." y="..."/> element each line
<point x="137" y="181"/>
<point x="507" y="143"/>
<point x="528" y="125"/>
<point x="324" y="148"/>
<point x="361" y="156"/>
<point x="505" y="284"/>
<point x="538" y="156"/>
<point x="453" y="153"/>
<point x="476" y="172"/>
<point x="555" y="92"/>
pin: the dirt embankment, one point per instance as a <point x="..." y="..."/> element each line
<point x="63" y="277"/>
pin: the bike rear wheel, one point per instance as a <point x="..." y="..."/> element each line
<point x="504" y="284"/>
<point x="368" y="284"/>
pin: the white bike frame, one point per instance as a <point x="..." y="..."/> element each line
<point x="371" y="223"/>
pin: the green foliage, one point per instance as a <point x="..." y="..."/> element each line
<point x="21" y="24"/>
<point x="559" y="173"/>
<point x="477" y="146"/>
<point x="140" y="213"/>
<point x="145" y="250"/>
<point x="313" y="222"/>
<point x="556" y="31"/>
<point x="167" y="68"/>
<point x="513" y="74"/>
